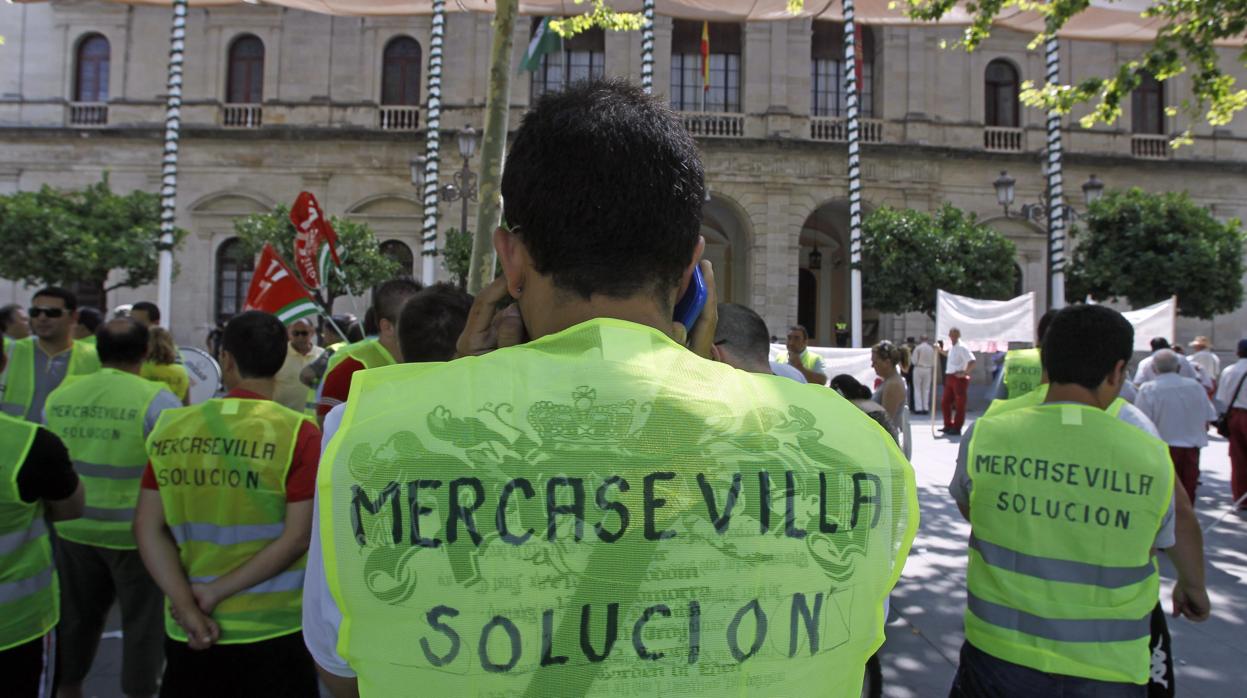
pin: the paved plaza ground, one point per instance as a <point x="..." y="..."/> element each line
<point x="925" y="632"/>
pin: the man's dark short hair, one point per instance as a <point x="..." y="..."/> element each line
<point x="850" y="387"/>
<point x="1084" y="343"/>
<point x="90" y="318"/>
<point x="1044" y="322"/>
<point x="605" y="187"/>
<point x="389" y="297"/>
<point x="370" y="323"/>
<point x="431" y="322"/>
<point x="744" y="331"/>
<point x="800" y="328"/>
<point x="1159" y="343"/>
<point x="7" y="314"/>
<point x="151" y="309"/>
<point x="122" y="341"/>
<point x="257" y="341"/>
<point x="71" y="300"/>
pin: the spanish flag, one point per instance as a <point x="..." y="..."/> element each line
<point x="705" y="56"/>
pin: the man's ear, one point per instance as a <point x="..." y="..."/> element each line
<point x="716" y="353"/>
<point x="513" y="256"/>
<point x="687" y="277"/>
<point x="227" y="361"/>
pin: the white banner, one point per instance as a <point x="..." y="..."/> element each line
<point x="986" y="326"/>
<point x="1158" y="320"/>
<point x="836" y="360"/>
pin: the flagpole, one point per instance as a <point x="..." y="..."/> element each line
<point x="1055" y="173"/>
<point x="855" y="174"/>
<point x="433" y="135"/>
<point x="169" y="163"/>
<point x="647" y="47"/>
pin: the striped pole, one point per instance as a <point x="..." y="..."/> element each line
<point x="855" y="174"/>
<point x="1056" y="190"/>
<point x="433" y="144"/>
<point x="169" y="163"/>
<point x="647" y="47"/>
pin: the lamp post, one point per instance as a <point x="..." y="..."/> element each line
<point x="464" y="187"/>
<point x="1042" y="212"/>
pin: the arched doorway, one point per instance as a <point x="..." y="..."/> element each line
<point x="824" y="242"/>
<point x="725" y="228"/>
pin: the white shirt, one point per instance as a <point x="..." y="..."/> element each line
<point x="958" y="359"/>
<point x="1180" y="409"/>
<point x="1129" y="392"/>
<point x="924" y="356"/>
<point x="321" y="616"/>
<point x="787" y="372"/>
<point x="1210" y="362"/>
<point x="1230" y="378"/>
<point x="1147" y="371"/>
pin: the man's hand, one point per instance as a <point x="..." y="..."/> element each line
<point x="488" y="328"/>
<point x="206" y="597"/>
<point x="701" y="338"/>
<point x="1191" y="601"/>
<point x="201" y="631"/>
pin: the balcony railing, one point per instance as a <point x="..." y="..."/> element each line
<point x="1001" y="139"/>
<point x="835" y="129"/>
<point x="714" y="125"/>
<point x="242" y="116"/>
<point x="399" y="118"/>
<point x="88" y="114"/>
<point x="1149" y="147"/>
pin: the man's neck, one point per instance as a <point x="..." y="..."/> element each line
<point x="264" y="387"/>
<point x="52" y="347"/>
<point x="1072" y="392"/>
<point x="390" y="342"/>
<point x="136" y="369"/>
<point x="642" y="311"/>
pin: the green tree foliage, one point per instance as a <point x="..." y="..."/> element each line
<point x="908" y="255"/>
<point x="1147" y="247"/>
<point x="457" y="255"/>
<point x="363" y="265"/>
<point x="1184" y="44"/>
<point x="64" y="238"/>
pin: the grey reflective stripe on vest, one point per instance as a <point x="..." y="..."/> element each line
<point x="15" y="591"/>
<point x="12" y="542"/>
<point x="111" y="472"/>
<point x="102" y="514"/>
<point x="225" y="535"/>
<point x="1054" y="570"/>
<point x="1060" y="629"/>
<point x="290" y="580"/>
<point x="13" y="409"/>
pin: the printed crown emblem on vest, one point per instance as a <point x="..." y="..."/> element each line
<point x="582" y="421"/>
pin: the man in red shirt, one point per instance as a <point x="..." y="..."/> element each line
<point x="387" y="302"/>
<point x="223" y="522"/>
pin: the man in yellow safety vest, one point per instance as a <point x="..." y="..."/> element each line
<point x="39" y="363"/>
<point x="602" y="510"/>
<point x="1067" y="506"/>
<point x="223" y="523"/>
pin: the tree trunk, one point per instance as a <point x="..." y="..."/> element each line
<point x="481" y="270"/>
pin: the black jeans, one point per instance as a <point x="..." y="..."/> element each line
<point x="981" y="675"/>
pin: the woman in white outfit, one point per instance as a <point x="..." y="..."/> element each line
<point x="887" y="358"/>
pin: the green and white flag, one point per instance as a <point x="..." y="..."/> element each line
<point x="545" y="40"/>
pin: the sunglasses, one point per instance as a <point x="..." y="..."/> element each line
<point x="36" y="311"/>
<point x="301" y="334"/>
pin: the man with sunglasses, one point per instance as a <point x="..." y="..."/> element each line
<point x="38" y="364"/>
<point x="300" y="352"/>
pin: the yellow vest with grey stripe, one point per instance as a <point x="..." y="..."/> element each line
<point x="29" y="596"/>
<point x="1023" y="371"/>
<point x="1037" y="397"/>
<point x="221" y="467"/>
<point x="1065" y="505"/>
<point x="370" y="352"/>
<point x="19" y="386"/>
<point x="601" y="512"/>
<point x="101" y="417"/>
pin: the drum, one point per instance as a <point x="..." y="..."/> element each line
<point x="204" y="374"/>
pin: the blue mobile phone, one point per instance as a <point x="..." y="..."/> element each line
<point x="693" y="301"/>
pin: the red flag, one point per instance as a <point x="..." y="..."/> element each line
<point x="274" y="290"/>
<point x="705" y="56"/>
<point x="312" y="233"/>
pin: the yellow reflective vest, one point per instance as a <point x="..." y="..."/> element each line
<point x="29" y="595"/>
<point x="221" y="468"/>
<point x="1023" y="371"/>
<point x="370" y="352"/>
<point x="101" y="419"/>
<point x="601" y="512"/>
<point x="1065" y="505"/>
<point x="1037" y="397"/>
<point x="19" y="387"/>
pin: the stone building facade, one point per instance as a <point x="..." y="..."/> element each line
<point x="279" y="101"/>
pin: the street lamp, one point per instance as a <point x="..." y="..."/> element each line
<point x="464" y="187"/>
<point x="1092" y="190"/>
<point x="1004" y="190"/>
<point x="816" y="259"/>
<point x="1005" y="186"/>
<point x="417" y="171"/>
